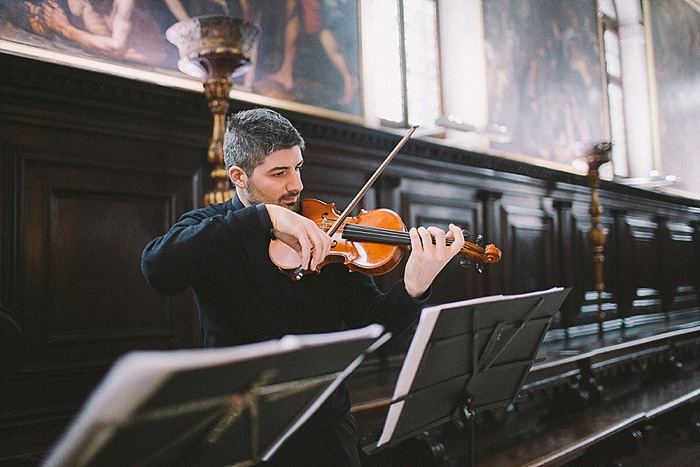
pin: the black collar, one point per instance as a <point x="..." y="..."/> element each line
<point x="236" y="202"/>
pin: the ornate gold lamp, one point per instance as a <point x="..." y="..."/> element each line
<point x="215" y="49"/>
<point x="596" y="156"/>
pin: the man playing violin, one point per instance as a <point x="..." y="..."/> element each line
<point x="221" y="252"/>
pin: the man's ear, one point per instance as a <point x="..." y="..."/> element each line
<point x="237" y="176"/>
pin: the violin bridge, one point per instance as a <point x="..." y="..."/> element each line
<point x="325" y="224"/>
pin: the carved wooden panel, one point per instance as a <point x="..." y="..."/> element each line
<point x="680" y="289"/>
<point x="696" y="254"/>
<point x="7" y="212"/>
<point x="528" y="247"/>
<point x="85" y="298"/>
<point x="80" y="297"/>
<point x="640" y="265"/>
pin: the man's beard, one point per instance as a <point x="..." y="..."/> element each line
<point x="296" y="206"/>
<point x="255" y="196"/>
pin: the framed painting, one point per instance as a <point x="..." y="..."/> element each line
<point x="545" y="80"/>
<point x="674" y="26"/>
<point x="307" y="57"/>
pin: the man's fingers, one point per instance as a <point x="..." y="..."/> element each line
<point x="319" y="245"/>
<point x="456" y="233"/>
<point x="426" y="239"/>
<point x="305" y="250"/>
<point x="439" y="238"/>
<point x="433" y="241"/>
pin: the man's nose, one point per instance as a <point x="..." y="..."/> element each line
<point x="295" y="183"/>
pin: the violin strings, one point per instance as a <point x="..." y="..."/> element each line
<point x="367" y="233"/>
<point x="381" y="235"/>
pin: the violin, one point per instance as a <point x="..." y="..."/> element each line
<point x="372" y="242"/>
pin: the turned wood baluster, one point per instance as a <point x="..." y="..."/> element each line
<point x="217" y="93"/>
<point x="597" y="235"/>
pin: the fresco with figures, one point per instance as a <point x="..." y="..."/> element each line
<point x="544" y="75"/>
<point x="308" y="51"/>
<point x="676" y="43"/>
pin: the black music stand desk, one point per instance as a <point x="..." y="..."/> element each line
<point x="226" y="406"/>
<point x="467" y="357"/>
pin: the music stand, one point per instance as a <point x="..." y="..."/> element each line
<point x="467" y="357"/>
<point x="227" y="406"/>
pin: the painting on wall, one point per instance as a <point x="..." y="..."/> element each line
<point x="675" y="28"/>
<point x="544" y="76"/>
<point x="308" y="52"/>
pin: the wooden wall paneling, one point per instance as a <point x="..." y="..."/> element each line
<point x="8" y="212"/>
<point x="83" y="300"/>
<point x="428" y="204"/>
<point x="564" y="268"/>
<point x="640" y="264"/>
<point x="623" y="248"/>
<point x="678" y="265"/>
<point x="528" y="243"/>
<point x="88" y="181"/>
<point x="696" y="253"/>
<point x="85" y="232"/>
<point x="491" y="224"/>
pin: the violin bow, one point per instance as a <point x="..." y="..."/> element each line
<point x="336" y="225"/>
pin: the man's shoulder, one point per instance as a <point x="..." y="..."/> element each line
<point x="211" y="210"/>
<point x="221" y="208"/>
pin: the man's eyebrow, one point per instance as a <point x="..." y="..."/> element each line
<point x="281" y="167"/>
<point x="284" y="167"/>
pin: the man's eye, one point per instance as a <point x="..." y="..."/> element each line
<point x="278" y="174"/>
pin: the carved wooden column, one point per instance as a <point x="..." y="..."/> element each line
<point x="215" y="49"/>
<point x="598" y="155"/>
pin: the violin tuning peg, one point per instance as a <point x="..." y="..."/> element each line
<point x="466" y="233"/>
<point x="479" y="267"/>
<point x="464" y="262"/>
<point x="480" y="240"/>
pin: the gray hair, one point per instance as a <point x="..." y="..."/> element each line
<point x="252" y="135"/>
